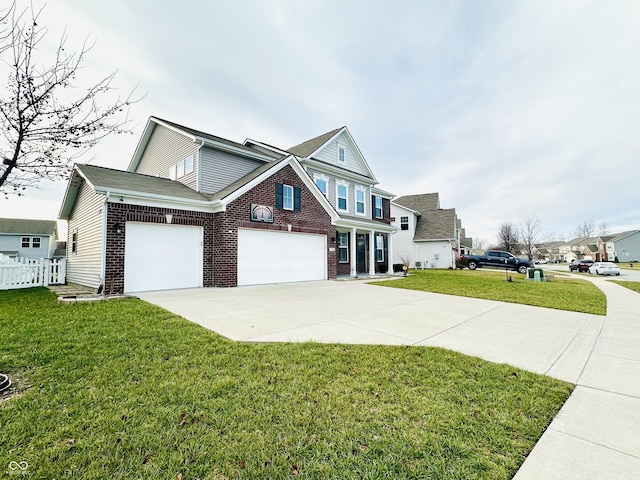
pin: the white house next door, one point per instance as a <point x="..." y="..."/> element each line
<point x="162" y="257"/>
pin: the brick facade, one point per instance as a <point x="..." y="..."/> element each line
<point x="220" y="246"/>
<point x="120" y="213"/>
<point x="312" y="218"/>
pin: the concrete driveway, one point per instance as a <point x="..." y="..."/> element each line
<point x="595" y="435"/>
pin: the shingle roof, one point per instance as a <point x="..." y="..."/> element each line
<point x="207" y="136"/>
<point x="436" y="224"/>
<point x="136" y="182"/>
<point x="421" y="203"/>
<point x="307" y="148"/>
<point x="27" y="227"/>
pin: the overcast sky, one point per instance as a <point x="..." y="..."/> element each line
<point x="506" y="108"/>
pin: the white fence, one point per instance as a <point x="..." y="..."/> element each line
<point x="26" y="272"/>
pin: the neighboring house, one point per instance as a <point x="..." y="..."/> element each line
<point x="426" y="233"/>
<point x="623" y="247"/>
<point x="27" y="238"/>
<point x="197" y="210"/>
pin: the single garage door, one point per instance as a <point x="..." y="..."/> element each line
<point x="265" y="256"/>
<point x="162" y="257"/>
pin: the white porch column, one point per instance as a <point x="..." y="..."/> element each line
<point x="389" y="253"/>
<point x="372" y="252"/>
<point x="352" y="255"/>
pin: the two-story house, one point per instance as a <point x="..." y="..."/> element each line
<point x="26" y="238"/>
<point x="194" y="210"/>
<point x="428" y="236"/>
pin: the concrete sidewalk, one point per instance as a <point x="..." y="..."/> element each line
<point x="595" y="435"/>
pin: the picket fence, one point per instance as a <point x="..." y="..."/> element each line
<point x="25" y="272"/>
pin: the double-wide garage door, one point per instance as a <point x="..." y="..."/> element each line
<point x="162" y="257"/>
<point x="267" y="256"/>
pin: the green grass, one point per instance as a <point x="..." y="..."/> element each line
<point x="124" y="389"/>
<point x="561" y="294"/>
<point x="635" y="286"/>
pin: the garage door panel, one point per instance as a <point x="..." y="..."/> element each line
<point x="161" y="256"/>
<point x="265" y="256"/>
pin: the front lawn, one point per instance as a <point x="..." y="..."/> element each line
<point x="635" y="286"/>
<point x="562" y="294"/>
<point x="123" y="389"/>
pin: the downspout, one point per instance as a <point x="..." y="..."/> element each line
<point x="198" y="161"/>
<point x="103" y="262"/>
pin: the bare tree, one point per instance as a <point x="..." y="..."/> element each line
<point x="530" y="234"/>
<point x="45" y="124"/>
<point x="508" y="237"/>
<point x="479" y="244"/>
<point x="603" y="229"/>
<point x="586" y="229"/>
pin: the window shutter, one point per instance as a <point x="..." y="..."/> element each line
<point x="296" y="199"/>
<point x="279" y="195"/>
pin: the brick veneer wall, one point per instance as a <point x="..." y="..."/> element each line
<point x="115" y="244"/>
<point x="312" y="218"/>
<point x="220" y="255"/>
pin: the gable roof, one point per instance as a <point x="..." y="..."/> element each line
<point x="422" y="202"/>
<point x="436" y="225"/>
<point x="307" y="150"/>
<point x="108" y="180"/>
<point x="309" y="147"/>
<point x="197" y="136"/>
<point x="18" y="226"/>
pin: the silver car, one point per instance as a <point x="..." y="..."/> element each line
<point x="604" y="268"/>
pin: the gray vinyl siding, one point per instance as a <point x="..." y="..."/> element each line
<point x="11" y="243"/>
<point x="165" y="149"/>
<point x="84" y="266"/>
<point x="628" y="248"/>
<point x="220" y="169"/>
<point x="329" y="154"/>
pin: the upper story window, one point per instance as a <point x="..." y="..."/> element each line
<point x="287" y="197"/>
<point x="404" y="223"/>
<point x="342" y="196"/>
<point x="379" y="210"/>
<point x="30" y="242"/>
<point x="182" y="168"/>
<point x="342" y="154"/>
<point x="360" y="196"/>
<point x="323" y="183"/>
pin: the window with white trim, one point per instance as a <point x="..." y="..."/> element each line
<point x="342" y="154"/>
<point x="343" y="247"/>
<point x="35" y="242"/>
<point x="379" y="210"/>
<point x="74" y="241"/>
<point x="404" y="223"/>
<point x="360" y="195"/>
<point x="182" y="168"/>
<point x="379" y="248"/>
<point x="287" y="197"/>
<point x="322" y="183"/>
<point x="342" y="197"/>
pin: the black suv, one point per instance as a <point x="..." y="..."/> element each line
<point x="580" y="265"/>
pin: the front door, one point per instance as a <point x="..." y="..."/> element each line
<point x="361" y="253"/>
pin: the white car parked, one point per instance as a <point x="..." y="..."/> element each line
<point x="604" y="268"/>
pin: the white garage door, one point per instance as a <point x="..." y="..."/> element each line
<point x="265" y="256"/>
<point x="161" y="257"/>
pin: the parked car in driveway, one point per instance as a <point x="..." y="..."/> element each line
<point x="580" y="265"/>
<point x="604" y="268"/>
